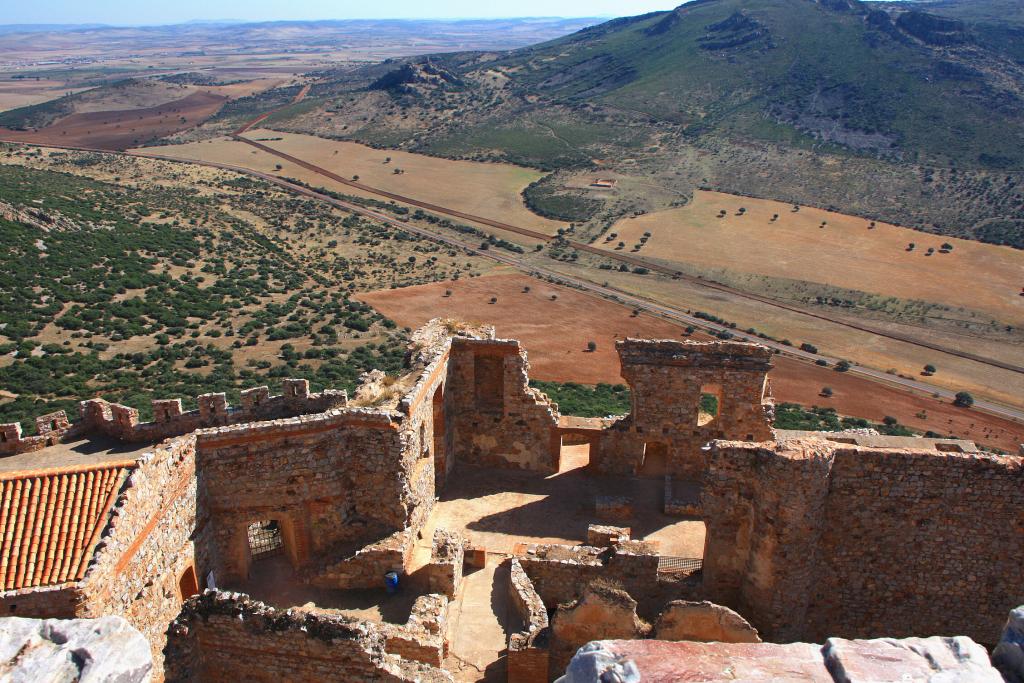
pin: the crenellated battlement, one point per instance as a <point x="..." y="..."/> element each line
<point x="169" y="419"/>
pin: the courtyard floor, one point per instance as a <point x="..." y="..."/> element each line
<point x="499" y="509"/>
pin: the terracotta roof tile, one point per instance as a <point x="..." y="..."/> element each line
<point x="50" y="521"/>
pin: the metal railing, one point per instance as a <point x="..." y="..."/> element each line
<point x="679" y="565"/>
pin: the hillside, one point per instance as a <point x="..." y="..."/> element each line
<point x="911" y="113"/>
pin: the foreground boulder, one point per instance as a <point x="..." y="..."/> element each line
<point x="104" y="650"/>
<point x="1009" y="653"/>
<point x="908" y="660"/>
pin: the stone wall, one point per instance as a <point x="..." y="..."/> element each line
<point x="50" y="602"/>
<point x="561" y="573"/>
<point x="334" y="482"/>
<point x="422" y="637"/>
<point x="528" y="606"/>
<point x="147" y="548"/>
<point x="663" y="433"/>
<point x="120" y="422"/>
<point x="228" y="637"/>
<point x="602" y="612"/>
<point x="50" y="428"/>
<point x="528" y="655"/>
<point x="447" y="556"/>
<point x="368" y="565"/>
<point x="496" y="418"/>
<point x="809" y="538"/>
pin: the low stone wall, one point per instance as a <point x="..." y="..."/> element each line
<point x="602" y="612"/>
<point x="366" y="569"/>
<point x="559" y="573"/>
<point x="422" y="637"/>
<point x="229" y="637"/>
<point x="604" y="536"/>
<point x="528" y="655"/>
<point x="447" y="556"/>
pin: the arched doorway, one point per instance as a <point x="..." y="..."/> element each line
<point x="188" y="585"/>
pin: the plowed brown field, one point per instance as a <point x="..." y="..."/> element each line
<point x="118" y="130"/>
<point x="555" y="333"/>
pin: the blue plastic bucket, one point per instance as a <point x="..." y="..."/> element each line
<point x="391" y="582"/>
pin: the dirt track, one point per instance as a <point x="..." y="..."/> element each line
<point x="631" y="260"/>
<point x="121" y="129"/>
<point x="555" y="334"/>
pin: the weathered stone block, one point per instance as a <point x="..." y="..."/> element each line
<point x="86" y="650"/>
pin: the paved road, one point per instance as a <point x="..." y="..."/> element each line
<point x="632" y="300"/>
<point x="631" y="260"/>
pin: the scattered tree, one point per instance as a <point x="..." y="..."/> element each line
<point x="591" y="346"/>
<point x="843" y="366"/>
<point x="963" y="399"/>
<point x="826" y="392"/>
<point x="930" y="369"/>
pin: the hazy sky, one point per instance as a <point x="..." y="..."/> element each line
<point x="175" y="11"/>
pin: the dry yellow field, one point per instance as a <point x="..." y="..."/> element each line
<point x="22" y="93"/>
<point x="487" y="190"/>
<point x="843" y="253"/>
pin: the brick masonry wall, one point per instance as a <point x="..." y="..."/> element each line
<point x="806" y="539"/>
<point x="228" y="637"/>
<point x="55" y="602"/>
<point x="920" y="543"/>
<point x="147" y="546"/>
<point x="496" y="418"/>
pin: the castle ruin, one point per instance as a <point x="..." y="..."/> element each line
<point x="254" y="541"/>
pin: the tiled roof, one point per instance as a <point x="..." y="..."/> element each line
<point x="50" y="521"/>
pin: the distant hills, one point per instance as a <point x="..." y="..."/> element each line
<point x="927" y="96"/>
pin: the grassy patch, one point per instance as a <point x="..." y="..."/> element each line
<point x="587" y="401"/>
<point x="795" y="416"/>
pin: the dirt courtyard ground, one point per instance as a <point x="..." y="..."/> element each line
<point x="499" y="509"/>
<point x="555" y="334"/>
